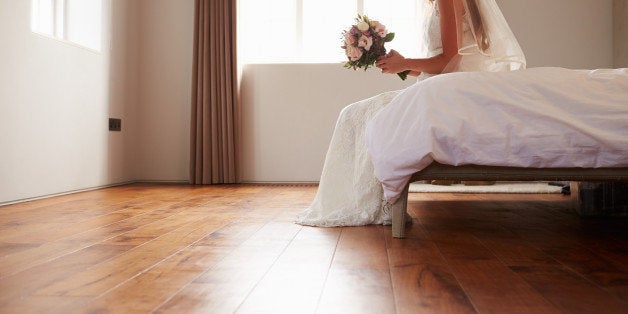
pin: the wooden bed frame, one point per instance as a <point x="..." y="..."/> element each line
<point x="437" y="171"/>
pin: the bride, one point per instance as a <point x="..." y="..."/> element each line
<point x="460" y="35"/>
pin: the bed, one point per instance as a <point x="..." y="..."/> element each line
<point x="437" y="171"/>
<point x="540" y="124"/>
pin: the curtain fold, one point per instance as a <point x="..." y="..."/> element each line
<point x="214" y="119"/>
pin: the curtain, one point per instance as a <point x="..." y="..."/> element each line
<point x="214" y="93"/>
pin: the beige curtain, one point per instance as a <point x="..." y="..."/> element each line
<point x="214" y="93"/>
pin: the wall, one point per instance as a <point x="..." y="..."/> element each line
<point x="565" y="33"/>
<point x="289" y="111"/>
<point x="620" y="33"/>
<point x="165" y="71"/>
<point x="55" y="99"/>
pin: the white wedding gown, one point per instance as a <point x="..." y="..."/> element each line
<point x="349" y="194"/>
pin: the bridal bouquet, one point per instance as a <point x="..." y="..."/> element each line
<point x="364" y="43"/>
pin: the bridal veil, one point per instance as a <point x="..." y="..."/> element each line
<point x="485" y="42"/>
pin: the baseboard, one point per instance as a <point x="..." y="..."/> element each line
<point x="278" y="183"/>
<point x="163" y="181"/>
<point x="282" y="183"/>
<point x="22" y="200"/>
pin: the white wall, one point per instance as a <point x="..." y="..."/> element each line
<point x="55" y="99"/>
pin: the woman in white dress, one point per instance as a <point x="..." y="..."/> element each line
<point x="461" y="35"/>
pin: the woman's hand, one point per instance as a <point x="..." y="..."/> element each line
<point x="393" y="62"/>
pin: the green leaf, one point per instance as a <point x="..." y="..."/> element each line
<point x="403" y="75"/>
<point x="389" y="37"/>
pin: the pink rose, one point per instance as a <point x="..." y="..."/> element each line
<point x="379" y="28"/>
<point x="365" y="42"/>
<point x="354" y="53"/>
<point x="349" y="39"/>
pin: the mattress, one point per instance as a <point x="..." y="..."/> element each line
<point x="535" y="118"/>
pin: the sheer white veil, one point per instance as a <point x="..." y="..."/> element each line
<point x="485" y="41"/>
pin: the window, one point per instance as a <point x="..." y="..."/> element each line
<point x="309" y="31"/>
<point x="76" y="21"/>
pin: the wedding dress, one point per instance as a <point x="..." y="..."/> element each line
<point x="349" y="194"/>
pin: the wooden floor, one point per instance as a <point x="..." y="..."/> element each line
<point x="223" y="249"/>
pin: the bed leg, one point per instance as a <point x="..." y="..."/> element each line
<point x="399" y="214"/>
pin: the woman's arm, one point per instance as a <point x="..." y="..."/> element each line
<point x="394" y="62"/>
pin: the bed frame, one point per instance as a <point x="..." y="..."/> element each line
<point x="437" y="171"/>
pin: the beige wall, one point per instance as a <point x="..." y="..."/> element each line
<point x="564" y="33"/>
<point x="620" y="33"/>
<point x="55" y="99"/>
<point x="289" y="113"/>
<point x="166" y="30"/>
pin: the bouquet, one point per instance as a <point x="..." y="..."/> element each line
<point x="364" y="43"/>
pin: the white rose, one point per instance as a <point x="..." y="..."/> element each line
<point x="363" y="26"/>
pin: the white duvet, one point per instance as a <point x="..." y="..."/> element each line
<point x="539" y="118"/>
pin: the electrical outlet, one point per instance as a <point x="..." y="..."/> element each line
<point x="115" y="124"/>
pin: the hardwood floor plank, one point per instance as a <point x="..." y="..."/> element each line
<point x="421" y="278"/>
<point x="44" y="304"/>
<point x="7" y="248"/>
<point x="74" y="205"/>
<point x="568" y="291"/>
<point x="512" y="249"/>
<point x="156" y="219"/>
<point x="361" y="247"/>
<point x="357" y="290"/>
<point x="609" y="248"/>
<point x="489" y="284"/>
<point x="359" y="276"/>
<point x="50" y="231"/>
<point x="20" y="209"/>
<point x="603" y="272"/>
<point x="224" y="287"/>
<point x="19" y="287"/>
<point x="148" y="290"/>
<point x="105" y="276"/>
<point x="295" y="281"/>
<point x="234" y="248"/>
<point x="522" y="241"/>
<point x="553" y="255"/>
<point x="587" y="247"/>
<point x="233" y="234"/>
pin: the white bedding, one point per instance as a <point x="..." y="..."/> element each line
<point x="539" y="117"/>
